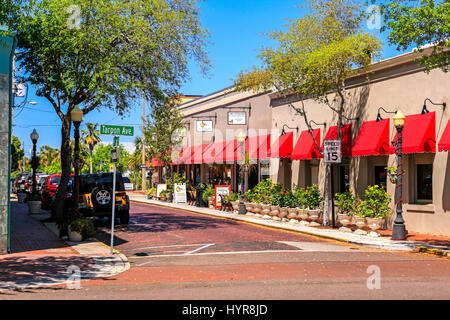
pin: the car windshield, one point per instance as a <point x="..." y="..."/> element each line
<point x="90" y="181"/>
<point x="55" y="180"/>
<point x="41" y="180"/>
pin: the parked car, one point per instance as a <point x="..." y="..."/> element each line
<point x="49" y="188"/>
<point x="40" y="181"/>
<point x="20" y="182"/>
<point x="96" y="195"/>
<point x="129" y="186"/>
<point x="12" y="184"/>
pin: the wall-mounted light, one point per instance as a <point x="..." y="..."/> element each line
<point x="283" y="132"/>
<point x="379" y="118"/>
<point x="317" y="124"/>
<point x="425" y="110"/>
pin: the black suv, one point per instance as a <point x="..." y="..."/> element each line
<point x="95" y="193"/>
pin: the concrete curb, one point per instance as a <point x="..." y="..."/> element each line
<point x="377" y="243"/>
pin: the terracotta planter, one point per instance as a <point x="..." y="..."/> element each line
<point x="74" y="236"/>
<point x="249" y="206"/>
<point x="34" y="207"/>
<point x="283" y="212"/>
<point x="265" y="209"/>
<point x="360" y="222"/>
<point x="303" y="214"/>
<point x="235" y="205"/>
<point x="314" y="215"/>
<point x="345" y="219"/>
<point x="274" y="211"/>
<point x="292" y="213"/>
<point x="375" y="223"/>
<point x="257" y="208"/>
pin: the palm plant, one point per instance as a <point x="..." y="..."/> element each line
<point x="135" y="159"/>
<point x="91" y="138"/>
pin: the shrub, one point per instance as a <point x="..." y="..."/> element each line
<point x="83" y="226"/>
<point x="300" y="197"/>
<point x="377" y="200"/>
<point x="345" y="202"/>
<point x="313" y="197"/>
<point x="209" y="192"/>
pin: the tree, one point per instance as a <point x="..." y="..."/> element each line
<point x="91" y="138"/>
<point x="135" y="161"/>
<point x="97" y="53"/>
<point x="17" y="153"/>
<point x="420" y="23"/>
<point x="101" y="158"/>
<point x="162" y="131"/>
<point x="46" y="156"/>
<point x="314" y="57"/>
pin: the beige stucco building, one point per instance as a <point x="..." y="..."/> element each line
<point x="394" y="84"/>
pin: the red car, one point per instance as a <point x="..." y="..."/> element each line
<point x="49" y="188"/>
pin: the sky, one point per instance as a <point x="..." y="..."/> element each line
<point x="237" y="29"/>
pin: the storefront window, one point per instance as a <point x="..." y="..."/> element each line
<point x="344" y="178"/>
<point x="380" y="176"/>
<point x="265" y="169"/>
<point x="424" y="182"/>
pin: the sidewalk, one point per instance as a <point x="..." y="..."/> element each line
<point x="39" y="258"/>
<point x="415" y="242"/>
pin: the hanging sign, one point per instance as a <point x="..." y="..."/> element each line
<point x="237" y="117"/>
<point x="204" y="125"/>
<point x="179" y="193"/>
<point x="218" y="191"/>
<point x="332" y="151"/>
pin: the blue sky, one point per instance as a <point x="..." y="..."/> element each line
<point x="236" y="33"/>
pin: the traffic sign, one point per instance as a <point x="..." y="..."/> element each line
<point x="117" y="130"/>
<point x="115" y="155"/>
<point x="332" y="151"/>
<point x="116" y="141"/>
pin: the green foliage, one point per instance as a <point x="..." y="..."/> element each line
<point x="17" y="153"/>
<point x="300" y="197"/>
<point x="209" y="192"/>
<point x="313" y="197"/>
<point x="175" y="179"/>
<point x="101" y="159"/>
<point x="420" y="23"/>
<point x="377" y="201"/>
<point x="152" y="192"/>
<point x="70" y="214"/>
<point x="83" y="226"/>
<point x="345" y="202"/>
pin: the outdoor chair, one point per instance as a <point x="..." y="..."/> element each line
<point x="226" y="205"/>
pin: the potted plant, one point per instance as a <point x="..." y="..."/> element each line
<point x="34" y="203"/>
<point x="377" y="200"/>
<point x="314" y="201"/>
<point x="362" y="211"/>
<point x="151" y="193"/>
<point x="393" y="173"/>
<point x="291" y="204"/>
<point x="301" y="203"/>
<point x="345" y="203"/>
<point x="265" y="189"/>
<point x="162" y="195"/>
<point x="208" y="195"/>
<point x="277" y="200"/>
<point x="81" y="229"/>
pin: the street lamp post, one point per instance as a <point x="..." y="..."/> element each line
<point x="241" y="140"/>
<point x="77" y="117"/>
<point x="34" y="138"/>
<point x="399" y="230"/>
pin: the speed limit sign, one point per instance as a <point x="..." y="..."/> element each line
<point x="332" y="151"/>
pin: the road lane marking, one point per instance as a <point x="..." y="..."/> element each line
<point x="205" y="246"/>
<point x="169" y="246"/>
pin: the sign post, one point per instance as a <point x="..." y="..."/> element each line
<point x="114" y="159"/>
<point x="332" y="154"/>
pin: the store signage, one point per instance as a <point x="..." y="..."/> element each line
<point x="204" y="125"/>
<point x="179" y="193"/>
<point x="220" y="190"/>
<point x="237" y="117"/>
<point x="159" y="188"/>
<point x="332" y="151"/>
<point x="117" y="130"/>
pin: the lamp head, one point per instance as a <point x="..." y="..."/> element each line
<point x="399" y="119"/>
<point x="76" y="114"/>
<point x="241" y="137"/>
<point x="379" y="118"/>
<point x="425" y="110"/>
<point x="34" y="136"/>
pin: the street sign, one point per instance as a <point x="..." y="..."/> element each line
<point x="142" y="166"/>
<point x="115" y="155"/>
<point x="332" y="151"/>
<point x="116" y="141"/>
<point x="117" y="130"/>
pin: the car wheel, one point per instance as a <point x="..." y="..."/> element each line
<point x="102" y="197"/>
<point x="124" y="217"/>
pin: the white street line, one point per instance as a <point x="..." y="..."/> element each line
<point x="205" y="246"/>
<point x="170" y="246"/>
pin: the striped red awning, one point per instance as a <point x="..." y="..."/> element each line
<point x="346" y="138"/>
<point x="373" y="139"/>
<point x="283" y="146"/>
<point x="444" y="143"/>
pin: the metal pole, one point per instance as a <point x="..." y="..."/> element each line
<point x="143" y="145"/>
<point x="242" y="209"/>
<point x="34" y="167"/>
<point x="333" y="223"/>
<point x="113" y="209"/>
<point x="399" y="230"/>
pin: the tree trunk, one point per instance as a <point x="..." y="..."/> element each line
<point x="90" y="160"/>
<point x="66" y="161"/>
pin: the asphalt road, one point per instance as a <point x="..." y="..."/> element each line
<point x="176" y="254"/>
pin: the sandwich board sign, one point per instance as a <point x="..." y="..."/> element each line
<point x="218" y="191"/>
<point x="332" y="151"/>
<point x="159" y="188"/>
<point x="179" y="193"/>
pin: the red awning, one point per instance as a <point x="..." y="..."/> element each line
<point x="157" y="163"/>
<point x="444" y="143"/>
<point x="283" y="146"/>
<point x="306" y="149"/>
<point x="419" y="133"/>
<point x="258" y="147"/>
<point x="228" y="152"/>
<point x="346" y="136"/>
<point x="373" y="139"/>
<point x="176" y="156"/>
<point x="186" y="158"/>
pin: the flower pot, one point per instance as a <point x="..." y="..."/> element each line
<point x="314" y="215"/>
<point x="265" y="209"/>
<point x="292" y="213"/>
<point x="274" y="211"/>
<point x="360" y="222"/>
<point x="257" y="208"/>
<point x="235" y="205"/>
<point x="34" y="207"/>
<point x="74" y="236"/>
<point x="248" y="206"/>
<point x="21" y="197"/>
<point x="375" y="223"/>
<point x="303" y="214"/>
<point x="283" y="212"/>
<point x="345" y="219"/>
